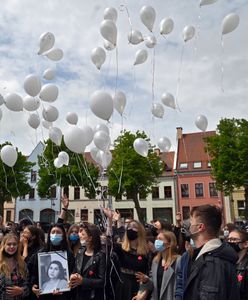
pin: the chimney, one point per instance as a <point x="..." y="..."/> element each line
<point x="157" y="151"/>
<point x="179" y="133"/>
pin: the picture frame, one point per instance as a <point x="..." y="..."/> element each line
<point x="53" y="272"/>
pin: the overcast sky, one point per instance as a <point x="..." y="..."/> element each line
<point x="76" y="24"/>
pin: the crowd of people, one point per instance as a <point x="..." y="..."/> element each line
<point x="126" y="260"/>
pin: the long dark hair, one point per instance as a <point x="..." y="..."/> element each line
<point x="36" y="235"/>
<point x="61" y="269"/>
<point x="63" y="246"/>
<point x="95" y="233"/>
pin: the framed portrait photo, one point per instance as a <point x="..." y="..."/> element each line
<point x="53" y="272"/>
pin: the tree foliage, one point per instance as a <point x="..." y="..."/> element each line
<point x="79" y="172"/>
<point x="129" y="173"/>
<point x="229" y="152"/>
<point x="14" y="181"/>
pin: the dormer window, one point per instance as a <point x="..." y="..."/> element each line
<point x="183" y="166"/>
<point x="197" y="164"/>
<point x="209" y="164"/>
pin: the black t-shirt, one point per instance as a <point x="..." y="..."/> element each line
<point x="160" y="273"/>
<point x="86" y="258"/>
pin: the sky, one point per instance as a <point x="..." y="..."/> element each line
<point x="208" y="76"/>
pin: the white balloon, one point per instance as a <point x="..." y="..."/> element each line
<point x="141" y="147"/>
<point x="201" y="122"/>
<point x="140" y="56"/>
<point x="1" y="100"/>
<point x="74" y="140"/>
<point x="94" y="154"/>
<point x="55" y="54"/>
<point x="102" y="127"/>
<point x="108" y="30"/>
<point x="32" y="85"/>
<point x="47" y="124"/>
<point x="34" y="121"/>
<point x="72" y="118"/>
<point x="31" y="103"/>
<point x="58" y="163"/>
<point x="105" y="158"/>
<point x="48" y="74"/>
<point x="55" y="135"/>
<point x="119" y="101"/>
<point x="47" y="41"/>
<point x="158" y="110"/>
<point x="14" y="102"/>
<point x="108" y="46"/>
<point x="110" y="13"/>
<point x="147" y="16"/>
<point x="9" y="155"/>
<point x="135" y="37"/>
<point x="102" y="140"/>
<point x="150" y="41"/>
<point x="206" y="2"/>
<point x="230" y="23"/>
<point x="166" y="26"/>
<point x="168" y="100"/>
<point x="64" y="157"/>
<point x="1" y="114"/>
<point x="50" y="113"/>
<point x="164" y="144"/>
<point x="88" y="134"/>
<point x="101" y="104"/>
<point x="98" y="56"/>
<point x="188" y="33"/>
<point x="49" y="92"/>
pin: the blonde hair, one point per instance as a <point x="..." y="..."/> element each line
<point x="171" y="251"/>
<point x="76" y="247"/>
<point x="4" y="267"/>
<point x="142" y="248"/>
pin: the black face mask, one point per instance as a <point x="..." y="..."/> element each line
<point x="235" y="246"/>
<point x="6" y="254"/>
<point x="154" y="231"/>
<point x="132" y="235"/>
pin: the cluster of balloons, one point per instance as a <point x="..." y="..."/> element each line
<point x="61" y="160"/>
<point x="47" y="41"/>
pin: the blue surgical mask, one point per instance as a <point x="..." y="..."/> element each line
<point x="74" y="237"/>
<point x="56" y="239"/>
<point x="159" y="245"/>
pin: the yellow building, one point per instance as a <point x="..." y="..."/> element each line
<point x="238" y="204"/>
<point x="9" y="211"/>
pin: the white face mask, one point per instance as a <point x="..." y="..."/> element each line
<point x="192" y="244"/>
<point x="83" y="242"/>
<point x="226" y="233"/>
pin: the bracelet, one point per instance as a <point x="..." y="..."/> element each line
<point x="64" y="209"/>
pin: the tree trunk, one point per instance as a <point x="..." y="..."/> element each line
<point x="246" y="200"/>
<point x="1" y="206"/>
<point x="139" y="210"/>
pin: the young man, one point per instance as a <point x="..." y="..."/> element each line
<point x="212" y="273"/>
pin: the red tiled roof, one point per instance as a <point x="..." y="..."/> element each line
<point x="191" y="148"/>
<point x="168" y="158"/>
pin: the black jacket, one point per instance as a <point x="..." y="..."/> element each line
<point x="213" y="276"/>
<point x="242" y="275"/>
<point x="93" y="273"/>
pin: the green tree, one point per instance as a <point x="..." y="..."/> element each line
<point x="14" y="181"/>
<point x="229" y="152"/>
<point x="79" y="172"/>
<point x="129" y="173"/>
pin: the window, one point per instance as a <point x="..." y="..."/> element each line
<point x="209" y="164"/>
<point x="126" y="213"/>
<point x="31" y="194"/>
<point x="76" y="192"/>
<point x="197" y="164"/>
<point x="167" y="192"/>
<point x="33" y="176"/>
<point x="162" y="213"/>
<point x="53" y="192"/>
<point x="199" y="189"/>
<point x="66" y="191"/>
<point x="184" y="190"/>
<point x="142" y="195"/>
<point x="8" y="215"/>
<point x="241" y="208"/>
<point x="84" y="215"/>
<point x="47" y="215"/>
<point x="26" y="213"/>
<point x="183" y="166"/>
<point x="155" y="192"/>
<point x="212" y="190"/>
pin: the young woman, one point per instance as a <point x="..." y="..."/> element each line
<point x="13" y="271"/>
<point x="88" y="277"/>
<point x="162" y="279"/>
<point x="56" y="275"/>
<point x="56" y="241"/>
<point x="73" y="239"/>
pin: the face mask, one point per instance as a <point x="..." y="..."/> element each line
<point x="56" y="239"/>
<point x="159" y="245"/>
<point x="193" y="233"/>
<point x="83" y="243"/>
<point x="6" y="254"/>
<point x="132" y="235"/>
<point x="192" y="244"/>
<point x="235" y="246"/>
<point x="154" y="231"/>
<point x="226" y="233"/>
<point x="73" y="237"/>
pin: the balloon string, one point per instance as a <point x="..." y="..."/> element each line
<point x="117" y="68"/>
<point x="222" y="64"/>
<point x="88" y="173"/>
<point x="198" y="29"/>
<point x="6" y="180"/>
<point x="179" y="77"/>
<point x="122" y="8"/>
<point x="153" y="75"/>
<point x="16" y="182"/>
<point x="204" y="136"/>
